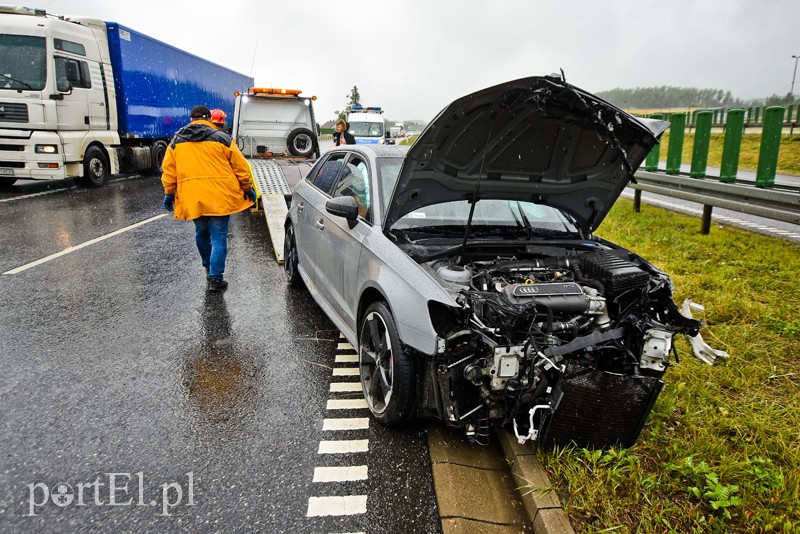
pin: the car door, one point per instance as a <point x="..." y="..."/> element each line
<point x="339" y="246"/>
<point x="310" y="205"/>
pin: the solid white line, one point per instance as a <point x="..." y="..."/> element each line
<point x="345" y="446"/>
<point x="345" y="387"/>
<point x="340" y="474"/>
<point x="85" y="244"/>
<point x="346" y="371"/>
<point x="347" y="404"/>
<point x="346" y="423"/>
<point x="344" y="505"/>
<point x="344" y="346"/>
<point x="31" y="195"/>
<point x="346" y="358"/>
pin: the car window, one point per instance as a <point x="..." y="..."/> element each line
<point x="354" y="181"/>
<point x="388" y="171"/>
<point x="326" y="175"/>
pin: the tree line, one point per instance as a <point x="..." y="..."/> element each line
<point x="667" y="96"/>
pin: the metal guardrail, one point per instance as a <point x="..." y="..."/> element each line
<point x="776" y="203"/>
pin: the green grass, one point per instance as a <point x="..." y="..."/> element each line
<point x="721" y="449"/>
<point x="788" y="155"/>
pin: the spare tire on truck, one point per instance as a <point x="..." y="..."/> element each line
<point x="302" y="142"/>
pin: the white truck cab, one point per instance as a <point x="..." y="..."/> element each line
<point x="366" y="125"/>
<point x="280" y="122"/>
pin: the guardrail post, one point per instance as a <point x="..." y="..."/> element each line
<point x="702" y="139"/>
<point x="675" y="150"/>
<point x="651" y="162"/>
<point x="734" y="126"/>
<point x="770" y="146"/>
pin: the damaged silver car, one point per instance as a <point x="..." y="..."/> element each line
<point x="465" y="272"/>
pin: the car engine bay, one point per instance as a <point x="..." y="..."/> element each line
<point x="564" y="346"/>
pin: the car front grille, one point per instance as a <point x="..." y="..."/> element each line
<point x="13" y="112"/>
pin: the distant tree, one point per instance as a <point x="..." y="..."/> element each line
<point x="668" y="97"/>
<point x="353" y="99"/>
<point x="776" y="100"/>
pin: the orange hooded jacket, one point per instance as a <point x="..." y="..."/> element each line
<point x="206" y="172"/>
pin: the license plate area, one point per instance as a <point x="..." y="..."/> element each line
<point x="6" y="172"/>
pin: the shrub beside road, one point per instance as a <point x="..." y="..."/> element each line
<point x="721" y="449"/>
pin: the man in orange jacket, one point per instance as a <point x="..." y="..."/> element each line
<point x="206" y="179"/>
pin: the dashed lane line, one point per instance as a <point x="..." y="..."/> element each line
<point x="346" y="358"/>
<point x="346" y="387"/>
<point x="344" y="346"/>
<point x="348" y="473"/>
<point x="343" y="446"/>
<point x="345" y="423"/>
<point x="341" y="505"/>
<point x="347" y="404"/>
<point x="346" y="371"/>
<point x="82" y="245"/>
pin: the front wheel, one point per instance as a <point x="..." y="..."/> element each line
<point x="290" y="259"/>
<point x="386" y="370"/>
<point x="95" y="168"/>
<point x="157" y="152"/>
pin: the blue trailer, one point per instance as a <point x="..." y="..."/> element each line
<point x="83" y="98"/>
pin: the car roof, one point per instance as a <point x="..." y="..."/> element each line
<point x="374" y="151"/>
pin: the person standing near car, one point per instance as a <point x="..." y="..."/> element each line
<point x="206" y="179"/>
<point x="341" y="136"/>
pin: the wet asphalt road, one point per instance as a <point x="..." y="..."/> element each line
<point x="116" y="360"/>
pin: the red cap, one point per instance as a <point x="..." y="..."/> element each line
<point x="218" y="116"/>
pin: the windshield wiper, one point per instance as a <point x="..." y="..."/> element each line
<point x="525" y="220"/>
<point x="7" y="77"/>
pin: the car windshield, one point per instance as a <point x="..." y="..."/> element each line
<point x="22" y="62"/>
<point x="366" y="129"/>
<point x="489" y="217"/>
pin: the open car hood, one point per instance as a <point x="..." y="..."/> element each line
<point x="536" y="139"/>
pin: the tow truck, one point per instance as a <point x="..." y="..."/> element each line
<point x="276" y="131"/>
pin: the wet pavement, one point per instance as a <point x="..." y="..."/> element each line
<point x="124" y="380"/>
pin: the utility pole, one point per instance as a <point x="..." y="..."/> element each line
<point x="794" y="75"/>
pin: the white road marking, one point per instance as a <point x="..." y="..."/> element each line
<point x="343" y="505"/>
<point x="345" y="346"/>
<point x="345" y="387"/>
<point x="345" y="446"/>
<point x="347" y="404"/>
<point x="82" y="245"/>
<point x="31" y="195"/>
<point x="346" y="371"/>
<point x="340" y="474"/>
<point x="346" y="423"/>
<point x="346" y="358"/>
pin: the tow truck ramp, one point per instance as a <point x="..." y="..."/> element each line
<point x="274" y="181"/>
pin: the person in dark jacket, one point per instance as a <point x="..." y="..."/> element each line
<point x="341" y="136"/>
<point x="206" y="179"/>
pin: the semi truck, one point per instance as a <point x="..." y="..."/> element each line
<point x="276" y="130"/>
<point x="83" y="98"/>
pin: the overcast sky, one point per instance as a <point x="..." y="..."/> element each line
<point x="413" y="57"/>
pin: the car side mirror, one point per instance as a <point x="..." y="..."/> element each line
<point x="345" y="206"/>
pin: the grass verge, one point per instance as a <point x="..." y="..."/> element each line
<point x="721" y="449"/>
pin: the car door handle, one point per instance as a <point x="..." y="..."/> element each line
<point x="320" y="225"/>
<point x="300" y="207"/>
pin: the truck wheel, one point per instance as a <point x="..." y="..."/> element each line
<point x="386" y="368"/>
<point x="157" y="152"/>
<point x="301" y="142"/>
<point x="290" y="259"/>
<point x="95" y="168"/>
<point x="7" y="182"/>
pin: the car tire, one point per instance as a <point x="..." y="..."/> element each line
<point x="385" y="367"/>
<point x="302" y="142"/>
<point x="290" y="259"/>
<point x="7" y="182"/>
<point x="95" y="168"/>
<point x="157" y="153"/>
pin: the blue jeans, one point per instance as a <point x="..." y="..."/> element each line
<point x="211" y="236"/>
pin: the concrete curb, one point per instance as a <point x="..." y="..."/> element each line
<point x="537" y="494"/>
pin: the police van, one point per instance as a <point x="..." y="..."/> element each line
<point x="366" y="125"/>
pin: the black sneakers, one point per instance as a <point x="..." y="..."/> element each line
<point x="217" y="285"/>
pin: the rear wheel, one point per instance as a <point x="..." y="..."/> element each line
<point x="301" y="142"/>
<point x="386" y="370"/>
<point x="157" y="152"/>
<point x="7" y="182"/>
<point x="95" y="168"/>
<point x="290" y="259"/>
